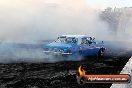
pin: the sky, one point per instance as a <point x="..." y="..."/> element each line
<point x="102" y="4"/>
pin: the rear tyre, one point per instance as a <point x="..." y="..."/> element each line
<point x="100" y="53"/>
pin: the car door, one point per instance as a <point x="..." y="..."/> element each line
<point x="87" y="46"/>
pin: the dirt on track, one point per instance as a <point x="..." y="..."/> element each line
<point x="61" y="74"/>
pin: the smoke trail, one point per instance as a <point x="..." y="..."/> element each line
<point x="16" y="53"/>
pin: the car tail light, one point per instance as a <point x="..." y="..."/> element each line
<point x="69" y="51"/>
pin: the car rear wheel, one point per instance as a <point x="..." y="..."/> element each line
<point x="100" y="53"/>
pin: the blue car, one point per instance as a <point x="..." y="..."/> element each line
<point x="75" y="45"/>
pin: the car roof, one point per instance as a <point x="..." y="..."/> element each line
<point x="77" y="36"/>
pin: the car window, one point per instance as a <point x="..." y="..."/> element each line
<point x="71" y="40"/>
<point x="87" y="40"/>
<point x="61" y="39"/>
<point x="64" y="39"/>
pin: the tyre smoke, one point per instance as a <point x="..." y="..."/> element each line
<point x="31" y="21"/>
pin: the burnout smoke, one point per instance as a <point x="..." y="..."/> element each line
<point x="31" y="21"/>
<point x="17" y="53"/>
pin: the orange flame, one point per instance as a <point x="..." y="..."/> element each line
<point x="81" y="71"/>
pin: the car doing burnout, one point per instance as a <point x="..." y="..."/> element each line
<point x="74" y="45"/>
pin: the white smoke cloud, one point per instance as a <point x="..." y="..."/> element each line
<point x="36" y="20"/>
<point x="31" y="20"/>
